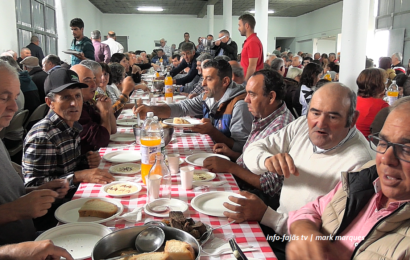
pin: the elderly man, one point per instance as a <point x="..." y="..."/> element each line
<point x="366" y="216"/>
<point x="37" y="75"/>
<point x="102" y="51"/>
<point x="50" y="63"/>
<point x="268" y="61"/>
<point x="19" y="205"/>
<point x="186" y="40"/>
<point x="237" y="73"/>
<point x="265" y="94"/>
<point x="35" y="48"/>
<point x="160" y="55"/>
<point x="309" y="152"/>
<point x="165" y="47"/>
<point x="252" y="51"/>
<point x="115" y="47"/>
<point x="80" y="42"/>
<point x="316" y="56"/>
<point x="226" y="46"/>
<point x="398" y="67"/>
<point x="297" y="62"/>
<point x="187" y="51"/>
<point x="24" y="52"/>
<point x="97" y="117"/>
<point x="226" y="118"/>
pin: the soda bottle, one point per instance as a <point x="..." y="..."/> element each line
<point x="157" y="74"/>
<point x="159" y="180"/>
<point x="150" y="144"/>
<point x="392" y="93"/>
<point x="169" y="88"/>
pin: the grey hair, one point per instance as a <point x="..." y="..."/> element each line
<point x="399" y="102"/>
<point x="277" y="63"/>
<point x="5" y="65"/>
<point x="25" y="49"/>
<point x="222" y="57"/>
<point x="51" y="96"/>
<point x="117" y="71"/>
<point x="294" y="72"/>
<point x="54" y="59"/>
<point x="300" y="58"/>
<point x="92" y="65"/>
<point x="204" y="56"/>
<point x="238" y="72"/>
<point x="163" y="40"/>
<point x="6" y="53"/>
<point x="225" y="32"/>
<point x="398" y="55"/>
<point x="34" y="39"/>
<point x="11" y="52"/>
<point x="187" y="46"/>
<point x="11" y="62"/>
<point x="96" y="34"/>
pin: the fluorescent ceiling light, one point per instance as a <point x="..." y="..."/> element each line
<point x="150" y="9"/>
<point x="269" y="12"/>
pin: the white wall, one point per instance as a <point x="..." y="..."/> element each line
<point x="8" y="26"/>
<point x="326" y="46"/>
<point x="65" y="12"/>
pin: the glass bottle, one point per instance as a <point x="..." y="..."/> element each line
<point x="150" y="140"/>
<point x="159" y="180"/>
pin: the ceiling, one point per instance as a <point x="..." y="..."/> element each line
<point x="282" y="8"/>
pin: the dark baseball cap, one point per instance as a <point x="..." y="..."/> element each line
<point x="60" y="79"/>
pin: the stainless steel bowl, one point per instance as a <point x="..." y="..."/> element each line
<point x="158" y="84"/>
<point x="125" y="238"/>
<point x="168" y="131"/>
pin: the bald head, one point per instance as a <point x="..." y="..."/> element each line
<point x="85" y="75"/>
<point x="111" y="34"/>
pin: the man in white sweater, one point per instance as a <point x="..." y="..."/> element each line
<point x="310" y="152"/>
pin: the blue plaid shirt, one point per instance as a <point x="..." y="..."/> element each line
<point x="51" y="149"/>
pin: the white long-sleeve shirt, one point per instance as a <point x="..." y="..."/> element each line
<point x="115" y="47"/>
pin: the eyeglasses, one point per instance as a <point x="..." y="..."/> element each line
<point x="401" y="151"/>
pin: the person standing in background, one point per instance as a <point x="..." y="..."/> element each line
<point x="102" y="51"/>
<point x="35" y="49"/>
<point x="80" y="43"/>
<point x="115" y="47"/>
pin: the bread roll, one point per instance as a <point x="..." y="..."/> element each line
<point x="181" y="121"/>
<point x="179" y="250"/>
<point x="151" y="256"/>
<point x="98" y="208"/>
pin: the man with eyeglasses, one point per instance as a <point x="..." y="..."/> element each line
<point x="368" y="212"/>
<point x="189" y="61"/>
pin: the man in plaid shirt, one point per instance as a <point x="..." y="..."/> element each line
<point x="265" y="98"/>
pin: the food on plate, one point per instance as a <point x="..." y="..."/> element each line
<point x="177" y="220"/>
<point x="181" y="121"/>
<point x="98" y="208"/>
<point x="121" y="189"/>
<point x="150" y="256"/>
<point x="179" y="250"/>
<point x="201" y="176"/>
<point x="165" y="125"/>
<point x="126" y="169"/>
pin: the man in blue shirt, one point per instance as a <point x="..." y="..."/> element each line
<point x="80" y="43"/>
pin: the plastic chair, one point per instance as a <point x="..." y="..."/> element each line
<point x="16" y="124"/>
<point x="36" y="116"/>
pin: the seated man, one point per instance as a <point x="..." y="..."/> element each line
<point x="160" y="55"/>
<point x="367" y="213"/>
<point x="309" y="152"/>
<point x="18" y="206"/>
<point x="197" y="88"/>
<point x="226" y="118"/>
<point x="265" y="94"/>
<point x="97" y="117"/>
<point x="189" y="61"/>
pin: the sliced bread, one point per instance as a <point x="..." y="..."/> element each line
<point x="98" y="208"/>
<point x="179" y="250"/>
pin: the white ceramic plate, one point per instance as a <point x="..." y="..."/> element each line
<point x="68" y="212"/>
<point x="78" y="239"/>
<point x="193" y="122"/>
<point x="174" y="204"/>
<point x="71" y="52"/>
<point x="211" y="203"/>
<point x="122" y="137"/>
<point x="119" y="168"/>
<point x="208" y="176"/>
<point x="127" y="112"/>
<point x="179" y="97"/>
<point x="128" y="122"/>
<point x="123" y="156"/>
<point x="126" y="178"/>
<point x="198" y="158"/>
<point x="106" y="187"/>
<point x="116" y="145"/>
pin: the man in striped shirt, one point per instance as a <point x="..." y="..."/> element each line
<point x="265" y="98"/>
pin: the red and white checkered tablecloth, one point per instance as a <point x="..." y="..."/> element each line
<point x="248" y="233"/>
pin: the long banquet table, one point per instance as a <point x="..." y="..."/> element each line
<point x="248" y="233"/>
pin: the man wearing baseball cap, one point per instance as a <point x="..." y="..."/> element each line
<point x="52" y="147"/>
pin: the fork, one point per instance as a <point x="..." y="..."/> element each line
<point x="218" y="252"/>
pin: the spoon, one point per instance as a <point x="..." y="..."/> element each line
<point x="212" y="229"/>
<point x="158" y="209"/>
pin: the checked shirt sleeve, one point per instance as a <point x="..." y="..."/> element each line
<point x="271" y="183"/>
<point x="39" y="158"/>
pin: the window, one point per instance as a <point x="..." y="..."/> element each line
<point x="37" y="17"/>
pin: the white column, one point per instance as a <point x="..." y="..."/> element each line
<point x="370" y="31"/>
<point x="354" y="38"/>
<point x="261" y="17"/>
<point x="227" y="16"/>
<point x="210" y="15"/>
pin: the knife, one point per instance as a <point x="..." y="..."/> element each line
<point x="236" y="250"/>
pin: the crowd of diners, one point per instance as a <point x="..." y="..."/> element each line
<point x="324" y="169"/>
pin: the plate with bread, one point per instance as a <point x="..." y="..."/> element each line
<point x="78" y="239"/>
<point x="118" y="189"/>
<point x="96" y="210"/>
<point x="182" y="122"/>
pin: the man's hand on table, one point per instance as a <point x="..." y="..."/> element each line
<point x="251" y="208"/>
<point x="33" y="205"/>
<point x="282" y="164"/>
<point x="95" y="175"/>
<point x="142" y="110"/>
<point x="61" y="186"/>
<point x="217" y="164"/>
<point x="143" y="87"/>
<point x="205" y="128"/>
<point x="221" y="148"/>
<point x="36" y="250"/>
<point x="93" y="159"/>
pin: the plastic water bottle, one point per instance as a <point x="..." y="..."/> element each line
<point x="150" y="144"/>
<point x="392" y="93"/>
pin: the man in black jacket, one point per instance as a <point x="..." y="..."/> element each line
<point x="37" y="75"/>
<point x="35" y="49"/>
<point x="226" y="46"/>
<point x="188" y="52"/>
